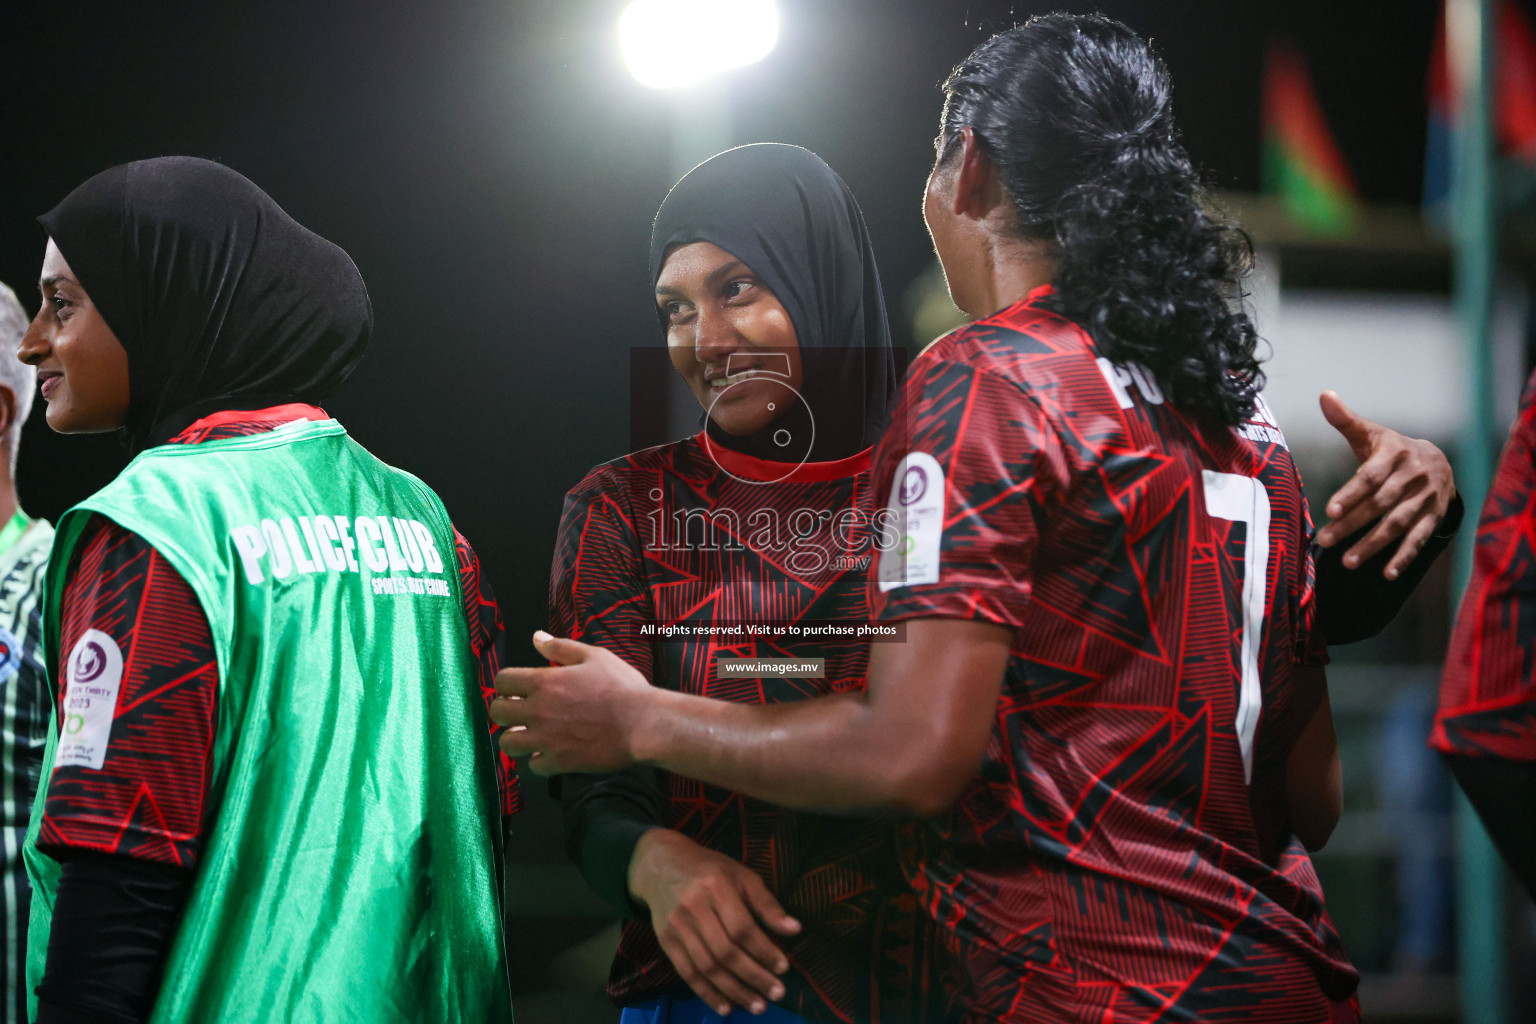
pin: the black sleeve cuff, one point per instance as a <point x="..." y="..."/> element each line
<point x="113" y="921"/>
<point x="604" y="817"/>
<point x="1356" y="604"/>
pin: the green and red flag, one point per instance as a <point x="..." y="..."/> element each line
<point x="1302" y="163"/>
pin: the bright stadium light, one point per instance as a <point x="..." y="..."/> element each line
<point x="673" y="43"/>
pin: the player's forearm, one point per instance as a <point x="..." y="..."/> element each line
<point x="604" y="817"/>
<point x="827" y="754"/>
<point x="114" y="919"/>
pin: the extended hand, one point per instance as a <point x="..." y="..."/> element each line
<point x="709" y="913"/>
<point x="577" y="716"/>
<point x="1404" y="482"/>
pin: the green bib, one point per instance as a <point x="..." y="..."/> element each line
<point x="351" y="870"/>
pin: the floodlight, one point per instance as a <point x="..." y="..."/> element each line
<point x="672" y="43"/>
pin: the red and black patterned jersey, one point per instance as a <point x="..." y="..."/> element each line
<point x="1124" y="853"/>
<point x="690" y="535"/>
<point x="149" y="799"/>
<point x="1488" y="693"/>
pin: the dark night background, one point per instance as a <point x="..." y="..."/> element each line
<point x="493" y="170"/>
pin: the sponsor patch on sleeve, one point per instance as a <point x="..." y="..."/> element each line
<point x="916" y="510"/>
<point x="93" y="674"/>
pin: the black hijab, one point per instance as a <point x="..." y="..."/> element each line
<point x="783" y="212"/>
<point x="221" y="300"/>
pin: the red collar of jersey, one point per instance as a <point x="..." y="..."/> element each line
<point x="270" y="417"/>
<point x="1035" y="295"/>
<point x="749" y="467"/>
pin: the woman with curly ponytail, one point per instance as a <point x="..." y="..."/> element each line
<point x="1118" y="496"/>
<point x="1074" y="116"/>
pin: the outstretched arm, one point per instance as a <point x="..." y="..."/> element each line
<point x="915" y="738"/>
<point x="908" y="745"/>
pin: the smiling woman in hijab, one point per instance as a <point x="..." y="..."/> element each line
<point x="781" y="209"/>
<point x="219" y="807"/>
<point x="766" y="288"/>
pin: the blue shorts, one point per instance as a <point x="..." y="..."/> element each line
<point x="667" y="1010"/>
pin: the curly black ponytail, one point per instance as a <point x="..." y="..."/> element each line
<point x="1075" y="113"/>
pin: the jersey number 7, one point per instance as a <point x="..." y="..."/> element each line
<point x="1242" y="499"/>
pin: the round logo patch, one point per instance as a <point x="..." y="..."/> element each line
<point x="90" y="662"/>
<point x="914" y="484"/>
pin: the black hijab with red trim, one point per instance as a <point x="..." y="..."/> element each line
<point x="221" y="300"/>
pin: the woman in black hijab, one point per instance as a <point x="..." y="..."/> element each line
<point x="782" y="212"/>
<point x="767" y="293"/>
<point x="221" y="574"/>
<point x="219" y="298"/>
